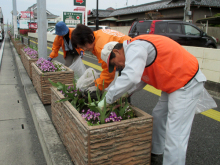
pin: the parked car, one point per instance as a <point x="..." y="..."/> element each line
<point x="53" y="30"/>
<point x="93" y="27"/>
<point x="48" y="29"/>
<point x="182" y="32"/>
<point x="1" y="32"/>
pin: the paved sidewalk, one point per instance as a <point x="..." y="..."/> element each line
<point x="27" y="133"/>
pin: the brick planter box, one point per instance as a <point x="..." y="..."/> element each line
<point x="125" y="142"/>
<point x="42" y="84"/>
<point x="26" y="60"/>
<point x="14" y="41"/>
<point x="18" y="46"/>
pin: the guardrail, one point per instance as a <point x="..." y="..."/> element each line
<point x="24" y="40"/>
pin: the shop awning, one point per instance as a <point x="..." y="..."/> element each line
<point x="211" y="20"/>
<point x="109" y="19"/>
<point x="125" y="20"/>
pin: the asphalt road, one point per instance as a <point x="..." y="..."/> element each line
<point x="204" y="142"/>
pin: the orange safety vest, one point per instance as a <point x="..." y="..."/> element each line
<point x="102" y="37"/>
<point x="173" y="66"/>
<point x="59" y="42"/>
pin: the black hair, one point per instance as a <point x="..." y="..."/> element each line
<point x="82" y="35"/>
<point x="118" y="46"/>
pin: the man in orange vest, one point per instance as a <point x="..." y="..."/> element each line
<point x="63" y="39"/>
<point x="83" y="37"/>
<point x="161" y="62"/>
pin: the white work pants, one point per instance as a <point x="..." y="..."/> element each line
<point x="172" y="121"/>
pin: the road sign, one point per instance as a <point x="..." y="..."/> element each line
<point x="27" y="14"/>
<point x="73" y="17"/>
<point x="23" y="24"/>
<point x="79" y="2"/>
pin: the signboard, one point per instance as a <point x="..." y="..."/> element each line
<point x="27" y="14"/>
<point x="23" y="24"/>
<point x="79" y="2"/>
<point x="32" y="25"/>
<point x="73" y="17"/>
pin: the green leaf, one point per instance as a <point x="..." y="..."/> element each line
<point x="103" y="95"/>
<point x="72" y="103"/>
<point x="93" y="108"/>
<point x="75" y="100"/>
<point x="74" y="85"/>
<point x="70" y="95"/>
<point x="54" y="84"/>
<point x="103" y="86"/>
<point x="122" y="110"/>
<point x="96" y="104"/>
<point x="98" y="94"/>
<point x="64" y="99"/>
<point x="89" y="98"/>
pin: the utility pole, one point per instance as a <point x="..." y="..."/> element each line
<point x="30" y="19"/>
<point x="86" y="13"/>
<point x="187" y="12"/>
<point x="97" y="15"/>
<point x="42" y="26"/>
<point x="15" y="18"/>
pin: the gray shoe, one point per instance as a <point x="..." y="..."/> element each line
<point x="156" y="159"/>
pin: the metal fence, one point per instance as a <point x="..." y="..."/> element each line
<point x="26" y="40"/>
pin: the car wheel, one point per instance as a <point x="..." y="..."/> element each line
<point x="210" y="46"/>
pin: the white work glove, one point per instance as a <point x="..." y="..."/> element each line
<point x="91" y="89"/>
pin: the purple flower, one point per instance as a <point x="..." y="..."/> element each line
<point x="45" y="66"/>
<point x="113" y="117"/>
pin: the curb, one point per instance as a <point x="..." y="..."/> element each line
<point x="53" y="148"/>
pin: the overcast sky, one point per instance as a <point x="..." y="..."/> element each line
<point x="57" y="6"/>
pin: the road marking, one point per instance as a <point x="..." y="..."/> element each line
<point x="92" y="65"/>
<point x="211" y="113"/>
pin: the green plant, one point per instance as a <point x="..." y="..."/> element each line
<point x="93" y="105"/>
<point x="34" y="47"/>
<point x="93" y="114"/>
<point x="16" y="39"/>
<point x="71" y="94"/>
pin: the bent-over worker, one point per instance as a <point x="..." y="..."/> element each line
<point x="161" y="62"/>
<point x="63" y="39"/>
<point x="83" y="37"/>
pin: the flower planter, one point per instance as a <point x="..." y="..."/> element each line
<point x="17" y="44"/>
<point x="124" y="142"/>
<point x="42" y="84"/>
<point x="20" y="46"/>
<point x="26" y="60"/>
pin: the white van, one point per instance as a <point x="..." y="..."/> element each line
<point x="93" y="27"/>
<point x="53" y="31"/>
<point x="1" y="32"/>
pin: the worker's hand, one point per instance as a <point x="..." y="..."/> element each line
<point x="101" y="104"/>
<point x="91" y="89"/>
<point x="49" y="59"/>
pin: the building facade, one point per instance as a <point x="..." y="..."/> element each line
<point x="160" y="10"/>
